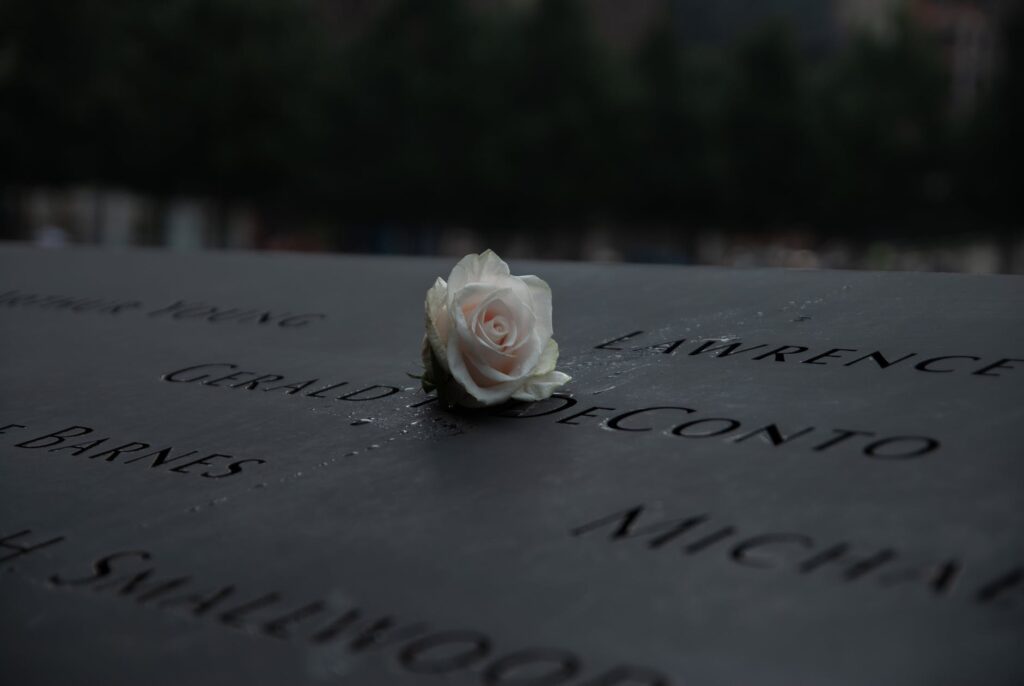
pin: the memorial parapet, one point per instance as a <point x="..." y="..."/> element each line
<point x="216" y="468"/>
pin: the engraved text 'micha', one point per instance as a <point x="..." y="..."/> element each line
<point x="798" y="552"/>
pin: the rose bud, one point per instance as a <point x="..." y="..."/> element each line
<point x="488" y="336"/>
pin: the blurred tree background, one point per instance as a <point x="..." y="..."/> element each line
<point x="357" y="121"/>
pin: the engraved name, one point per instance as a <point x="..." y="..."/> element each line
<point x="228" y="376"/>
<point x="177" y="310"/>
<point x="84" y="441"/>
<point x="800" y="553"/>
<point x="690" y="423"/>
<point x="416" y="648"/>
<point x="973" y="365"/>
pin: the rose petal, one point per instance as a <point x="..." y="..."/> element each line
<point x="437" y="318"/>
<point x="548" y="358"/>
<point x="525" y="321"/>
<point x="541" y="386"/>
<point x="490" y="304"/>
<point x="490" y="395"/>
<point x="483" y="268"/>
<point x="545" y="380"/>
<point x="481" y="371"/>
<point x="490" y="371"/>
<point x="514" y="316"/>
<point x="430" y="373"/>
<point x="540" y="296"/>
<point x="488" y="363"/>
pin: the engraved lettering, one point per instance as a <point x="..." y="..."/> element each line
<point x="828" y="354"/>
<point x="253" y="383"/>
<point x="79" y="448"/>
<point x="919" y="445"/>
<point x="709" y="540"/>
<point x="625" y="520"/>
<point x="522" y="668"/>
<point x="384" y="632"/>
<point x="926" y="365"/>
<point x="101" y="568"/>
<point x="780" y="352"/>
<point x="319" y="392"/>
<point x="10" y="543"/>
<point x="234" y="468"/>
<point x="173" y="376"/>
<point x="879" y="359"/>
<point x="224" y="464"/>
<point x="413" y="646"/>
<point x="293" y="387"/>
<point x="725" y="349"/>
<point x="177" y="310"/>
<point x="162" y="456"/>
<point x="112" y="454"/>
<point x="336" y="627"/>
<point x="584" y="413"/>
<point x="444" y="652"/>
<point x="280" y="626"/>
<point x="992" y="590"/>
<point x="183" y="468"/>
<point x="729" y="425"/>
<point x="666" y="348"/>
<point x="297" y="320"/>
<point x="859" y="568"/>
<point x="387" y="390"/>
<point x="998" y="364"/>
<point x="136" y="584"/>
<point x="939" y="578"/>
<point x="235" y="616"/>
<point x="57" y="437"/>
<point x="843" y="434"/>
<point x="625" y="675"/>
<point x="200" y="604"/>
<point x="234" y="376"/>
<point x="607" y="345"/>
<point x="616" y="422"/>
<point x="772" y="434"/>
<point x="518" y="410"/>
<point x="742" y="552"/>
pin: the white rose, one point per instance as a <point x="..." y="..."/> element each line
<point x="489" y="336"/>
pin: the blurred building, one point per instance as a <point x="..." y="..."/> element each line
<point x="967" y="34"/>
<point x="966" y="30"/>
<point x="120" y="218"/>
<point x="725" y="22"/>
<point x="110" y="212"/>
<point x="874" y="17"/>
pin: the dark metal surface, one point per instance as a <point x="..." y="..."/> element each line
<point x="785" y="517"/>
